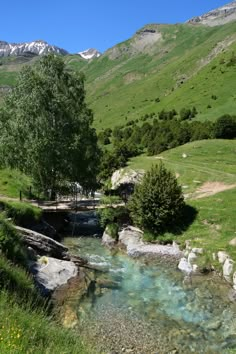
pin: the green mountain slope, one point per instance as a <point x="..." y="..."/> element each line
<point x="178" y="69"/>
<point x="160" y="67"/>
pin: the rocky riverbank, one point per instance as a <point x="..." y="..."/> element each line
<point x="50" y="262"/>
<point x="131" y="239"/>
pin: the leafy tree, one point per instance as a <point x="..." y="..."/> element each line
<point x="185" y="113"/>
<point x="104" y="136"/>
<point x="157" y="202"/>
<point x="225" y="127"/>
<point x="167" y="115"/>
<point x="46" y="127"/>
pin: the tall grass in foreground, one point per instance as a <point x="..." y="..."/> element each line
<point x="23" y="330"/>
<point x="26" y="321"/>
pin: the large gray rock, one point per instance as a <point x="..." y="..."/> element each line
<point x="125" y="180"/>
<point x="50" y="273"/>
<point x="43" y="245"/>
<point x="131" y="238"/>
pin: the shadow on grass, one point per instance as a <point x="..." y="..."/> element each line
<point x="189" y="214"/>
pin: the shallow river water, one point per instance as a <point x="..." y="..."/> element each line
<point x="145" y="306"/>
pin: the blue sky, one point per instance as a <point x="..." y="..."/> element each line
<point x="76" y="25"/>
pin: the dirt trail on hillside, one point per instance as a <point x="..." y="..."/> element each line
<point x="211" y="188"/>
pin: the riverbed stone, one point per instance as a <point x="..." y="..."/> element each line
<point x="228" y="269"/>
<point x="214" y="325"/>
<point x="222" y="256"/>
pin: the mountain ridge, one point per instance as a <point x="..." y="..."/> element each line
<point x="38" y="47"/>
<point x="217" y="17"/>
<point x="161" y="67"/>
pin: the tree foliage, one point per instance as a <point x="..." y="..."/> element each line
<point x="157" y="202"/>
<point x="46" y="127"/>
<point x="225" y="127"/>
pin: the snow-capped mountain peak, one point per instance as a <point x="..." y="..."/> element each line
<point x="90" y="53"/>
<point x="38" y="47"/>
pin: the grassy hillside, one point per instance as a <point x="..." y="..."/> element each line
<point x="206" y="161"/>
<point x="209" y="163"/>
<point x="185" y="67"/>
<point x="12" y="182"/>
<point x="180" y="65"/>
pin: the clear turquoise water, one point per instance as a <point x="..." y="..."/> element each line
<point x="146" y="307"/>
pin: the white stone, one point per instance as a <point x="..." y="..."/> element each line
<point x="195" y="267"/>
<point x="107" y="240"/>
<point x="197" y="250"/>
<point x="50" y="273"/>
<point x="186" y="253"/>
<point x="234" y="281"/>
<point x="184" y="266"/>
<point x="222" y="256"/>
<point x="187" y="245"/>
<point x="233" y="242"/>
<point x="131" y="238"/>
<point x="192" y="257"/>
<point x="228" y="269"/>
<point x="124" y="177"/>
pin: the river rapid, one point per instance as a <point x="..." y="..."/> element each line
<point x="146" y="306"/>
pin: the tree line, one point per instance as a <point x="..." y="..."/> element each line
<point x="157" y="136"/>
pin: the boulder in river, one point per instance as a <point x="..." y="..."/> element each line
<point x="50" y="273"/>
<point x="185" y="266"/>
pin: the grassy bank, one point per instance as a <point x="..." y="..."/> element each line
<point x="205" y="174"/>
<point x="26" y="323"/>
<point x="25" y="329"/>
<point x="23" y="214"/>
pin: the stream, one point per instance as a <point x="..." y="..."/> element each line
<point x="147" y="307"/>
